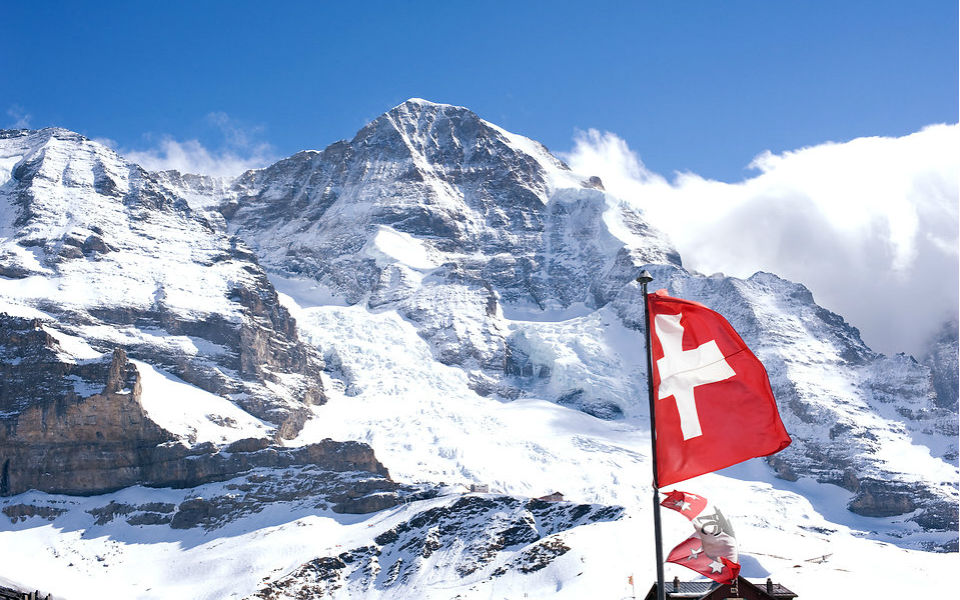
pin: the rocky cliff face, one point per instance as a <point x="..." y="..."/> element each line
<point x="82" y="429"/>
<point x="97" y="248"/>
<point x="78" y="427"/>
<point x="237" y="497"/>
<point x="942" y="360"/>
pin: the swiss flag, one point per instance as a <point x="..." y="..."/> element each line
<point x="713" y="402"/>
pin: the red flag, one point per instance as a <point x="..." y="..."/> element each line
<point x="688" y="505"/>
<point x="713" y="402"/>
<point x="690" y="553"/>
<point x="712" y="549"/>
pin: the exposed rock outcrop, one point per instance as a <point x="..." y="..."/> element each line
<point x="475" y="536"/>
<point x="213" y="505"/>
<point x="83" y="430"/>
<point x="942" y="358"/>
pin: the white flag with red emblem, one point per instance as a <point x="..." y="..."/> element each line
<point x="712" y="549"/>
<point x="713" y="402"/>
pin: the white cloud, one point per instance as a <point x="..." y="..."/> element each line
<point x="21" y="120"/>
<point x="191" y="156"/>
<point x="239" y="152"/>
<point x="870" y="225"/>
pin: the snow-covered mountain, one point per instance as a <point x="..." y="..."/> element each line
<point x="453" y="297"/>
<point x="446" y="217"/>
<point x="99" y="251"/>
<point x="464" y="230"/>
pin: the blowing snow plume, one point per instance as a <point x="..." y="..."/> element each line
<point x="238" y="152"/>
<point x="869" y="225"/>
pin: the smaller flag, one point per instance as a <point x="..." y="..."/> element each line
<point x="712" y="549"/>
<point x="688" y="505"/>
<point x="690" y="553"/>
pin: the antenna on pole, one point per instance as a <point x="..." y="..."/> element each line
<point x="643" y="279"/>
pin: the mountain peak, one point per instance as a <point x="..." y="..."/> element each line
<point x="421" y="104"/>
<point x="417" y="112"/>
<point x="44" y="135"/>
<point x="446" y="134"/>
<point x="420" y="101"/>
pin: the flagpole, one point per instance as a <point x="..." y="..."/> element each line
<point x="643" y="279"/>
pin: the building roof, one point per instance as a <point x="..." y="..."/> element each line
<point x="781" y="591"/>
<point x="698" y="589"/>
<point x="691" y="589"/>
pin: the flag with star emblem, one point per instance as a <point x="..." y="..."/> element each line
<point x="691" y="555"/>
<point x="712" y="549"/>
<point x="688" y="505"/>
<point x="712" y="398"/>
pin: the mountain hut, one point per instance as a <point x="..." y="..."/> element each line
<point x="711" y="590"/>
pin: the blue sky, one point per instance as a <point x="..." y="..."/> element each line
<point x="699" y="86"/>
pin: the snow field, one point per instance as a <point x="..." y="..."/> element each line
<point x="426" y="424"/>
<point x="74" y="558"/>
<point x="193" y="414"/>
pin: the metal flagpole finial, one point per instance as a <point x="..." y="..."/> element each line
<point x="644" y="277"/>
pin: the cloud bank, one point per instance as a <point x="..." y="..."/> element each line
<point x="869" y="225"/>
<point x="238" y="152"/>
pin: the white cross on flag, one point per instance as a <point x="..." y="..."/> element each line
<point x="713" y="402"/>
